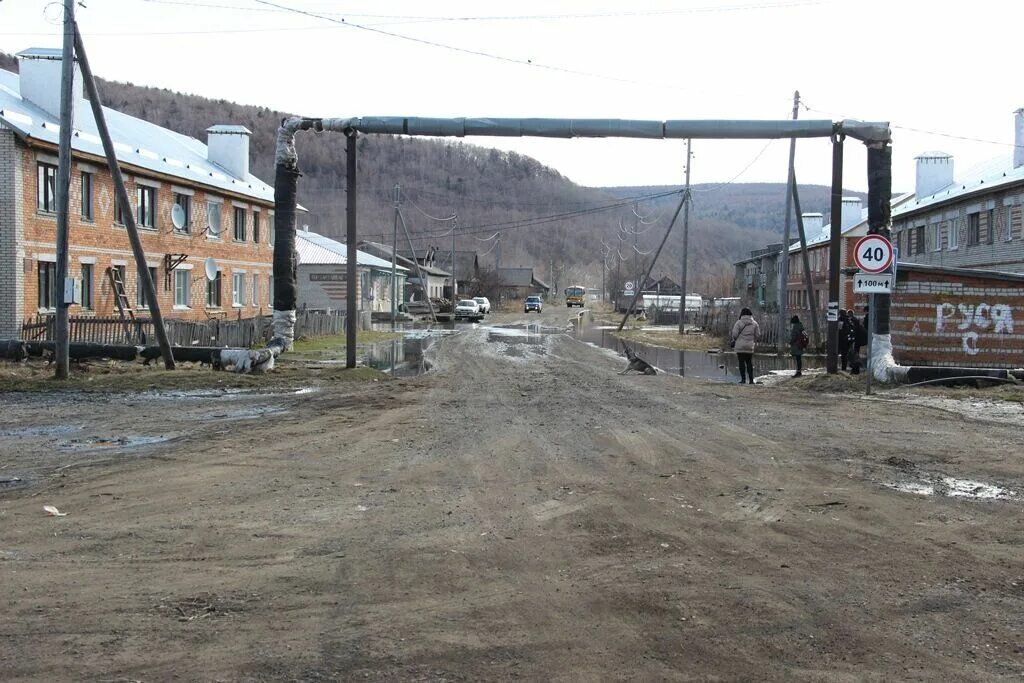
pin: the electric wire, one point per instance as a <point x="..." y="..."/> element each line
<point x="433" y="218"/>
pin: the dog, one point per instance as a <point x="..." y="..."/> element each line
<point x="637" y="363"/>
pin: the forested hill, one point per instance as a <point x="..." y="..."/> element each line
<point x="543" y="218"/>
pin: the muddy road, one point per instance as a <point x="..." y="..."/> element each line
<point x="521" y="511"/>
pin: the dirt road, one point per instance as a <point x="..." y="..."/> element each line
<point x="521" y="511"/>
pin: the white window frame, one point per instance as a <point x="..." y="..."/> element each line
<point x="954" y="234"/>
<point x="182" y="289"/>
<point x="936" y="231"/>
<point x="238" y="282"/>
<point x="46" y="187"/>
<point x="214" y="228"/>
<point x="145" y="206"/>
<point x="254" y="301"/>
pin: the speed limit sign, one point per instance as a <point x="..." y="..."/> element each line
<point x="873" y="254"/>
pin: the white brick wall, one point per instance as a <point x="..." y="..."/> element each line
<point x="11" y="208"/>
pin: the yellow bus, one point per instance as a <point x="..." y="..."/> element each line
<point x="575" y="295"/>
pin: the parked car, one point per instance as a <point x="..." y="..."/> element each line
<point x="485" y="304"/>
<point x="533" y="303"/>
<point x="467" y="309"/>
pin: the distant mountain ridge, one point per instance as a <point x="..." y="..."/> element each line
<point x="544" y="220"/>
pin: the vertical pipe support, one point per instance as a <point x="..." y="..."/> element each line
<point x="351" y="271"/>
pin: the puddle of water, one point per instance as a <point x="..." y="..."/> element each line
<point x="401" y="357"/>
<point x="247" y="413"/>
<point x="96" y="443"/>
<point x="698" y="364"/>
<point x="953" y="488"/>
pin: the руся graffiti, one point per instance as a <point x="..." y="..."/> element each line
<point x="998" y="317"/>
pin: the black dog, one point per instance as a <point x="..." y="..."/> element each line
<point x="637" y="363"/>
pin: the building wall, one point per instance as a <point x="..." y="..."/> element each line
<point x="325" y="286"/>
<point x="12" y="254"/>
<point x="104" y="244"/>
<point x="952" y="320"/>
<point x="1001" y="244"/>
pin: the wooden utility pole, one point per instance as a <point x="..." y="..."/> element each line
<point x="686" y="243"/>
<point x="121" y="197"/>
<point x="834" y="255"/>
<point x="783" y="282"/>
<point x="808" y="281"/>
<point x="67" y="120"/>
<point x="351" y="271"/>
<point x="394" y="261"/>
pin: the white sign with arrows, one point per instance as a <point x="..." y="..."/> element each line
<point x="871" y="283"/>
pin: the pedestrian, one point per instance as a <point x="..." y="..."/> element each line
<point x="798" y="341"/>
<point x="859" y="337"/>
<point x="867" y="319"/>
<point x="744" y="335"/>
<point x="844" y="338"/>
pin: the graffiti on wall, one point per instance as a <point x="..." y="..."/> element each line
<point x="970" y="318"/>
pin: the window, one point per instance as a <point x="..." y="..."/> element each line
<point x="185" y="202"/>
<point x="270" y="229"/>
<point x="270" y="290"/>
<point x="87" y="271"/>
<point x="47" y="284"/>
<point x="213" y="292"/>
<point x="140" y="289"/>
<point x="86" y="197"/>
<point x="239" y="224"/>
<point x="954" y="234"/>
<point x="991" y="227"/>
<point x="936" y="237"/>
<point x="255" y="290"/>
<point x="238" y="289"/>
<point x="182" y="282"/>
<point x="213" y="220"/>
<point x="46" y="189"/>
<point x="256" y="227"/>
<point x="919" y="246"/>
<point x="973" y="229"/>
<point x="145" y="198"/>
<point x="1008" y="224"/>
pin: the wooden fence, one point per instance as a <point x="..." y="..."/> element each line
<point x="237" y="333"/>
<point x="718" y="322"/>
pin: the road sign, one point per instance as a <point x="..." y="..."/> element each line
<point x="872" y="283"/>
<point x="629" y="286"/>
<point x="833" y="311"/>
<point x="873" y="254"/>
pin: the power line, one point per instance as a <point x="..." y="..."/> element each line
<point x="746" y="168"/>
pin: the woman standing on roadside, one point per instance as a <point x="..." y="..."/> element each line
<point x="797" y="343"/>
<point x="744" y="335"/>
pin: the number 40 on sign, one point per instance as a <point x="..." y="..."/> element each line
<point x="873" y="254"/>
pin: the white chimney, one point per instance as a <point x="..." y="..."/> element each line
<point x="934" y="173"/>
<point x="39" y="78"/>
<point x="851" y="212"/>
<point x="228" y="147"/>
<point x="1018" y="138"/>
<point x="813" y="224"/>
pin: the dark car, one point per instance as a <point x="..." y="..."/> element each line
<point x="533" y="303"/>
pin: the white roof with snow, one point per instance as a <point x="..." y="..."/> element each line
<point x="826" y="231"/>
<point x="986" y="176"/>
<point x="314" y="249"/>
<point x="136" y="142"/>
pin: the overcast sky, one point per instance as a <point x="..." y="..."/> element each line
<point x="925" y="66"/>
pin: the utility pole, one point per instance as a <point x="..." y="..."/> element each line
<point x="351" y="272"/>
<point x="455" y="282"/>
<point x="636" y="246"/>
<point x="394" y="260"/>
<point x="834" y="256"/>
<point x="67" y="119"/>
<point x="812" y="300"/>
<point x="783" y="282"/>
<point x="686" y="245"/>
<point x="497" y="256"/>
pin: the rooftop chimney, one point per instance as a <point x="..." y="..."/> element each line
<point x="813" y="224"/>
<point x="228" y="147"/>
<point x="39" y="79"/>
<point x="851" y="212"/>
<point x="934" y="173"/>
<point x="1018" y="138"/>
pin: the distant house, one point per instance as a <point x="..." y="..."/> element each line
<point x="971" y="222"/>
<point x="519" y="283"/>
<point x="436" y="279"/>
<point x="322" y="281"/>
<point x="191" y="201"/>
<point x="756" y="281"/>
<point x="466" y="270"/>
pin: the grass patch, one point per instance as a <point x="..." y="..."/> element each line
<point x="670" y="339"/>
<point x="336" y="343"/>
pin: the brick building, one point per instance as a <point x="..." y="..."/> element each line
<point x="957" y="317"/>
<point x="225" y="212"/>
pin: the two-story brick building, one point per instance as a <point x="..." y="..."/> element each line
<point x="191" y="201"/>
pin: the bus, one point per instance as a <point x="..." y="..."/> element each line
<point x="575" y="295"/>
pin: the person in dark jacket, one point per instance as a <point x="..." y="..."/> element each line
<point x="797" y="343"/>
<point x="859" y="338"/>
<point x="844" y="339"/>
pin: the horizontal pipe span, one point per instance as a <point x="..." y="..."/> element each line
<point x="609" y="128"/>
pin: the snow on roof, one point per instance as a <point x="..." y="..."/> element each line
<point x="988" y="175"/>
<point x="315" y="249"/>
<point x="136" y="142"/>
<point x="826" y="231"/>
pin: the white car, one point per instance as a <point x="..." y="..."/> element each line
<point x="484" y="302"/>
<point x="467" y="309"/>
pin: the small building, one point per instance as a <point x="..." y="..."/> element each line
<point x="756" y="281"/>
<point x="943" y="316"/>
<point x="519" y="283"/>
<point x="191" y="201"/>
<point x="466" y="270"/>
<point x="323" y="282"/>
<point x="436" y="279"/>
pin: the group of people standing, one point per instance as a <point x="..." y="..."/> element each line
<point x="853" y="335"/>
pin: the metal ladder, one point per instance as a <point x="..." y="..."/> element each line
<point x="123" y="303"/>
